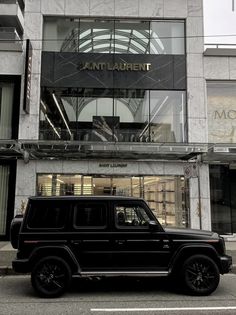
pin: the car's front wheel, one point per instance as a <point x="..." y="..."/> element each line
<point x="51" y="276"/>
<point x="200" y="275"/>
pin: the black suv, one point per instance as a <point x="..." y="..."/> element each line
<point x="61" y="237"/>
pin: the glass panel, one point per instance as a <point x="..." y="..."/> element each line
<point x="166" y="197"/>
<point x="87" y="185"/>
<point x="167" y="116"/>
<point x="137" y="186"/>
<point x="113" y="115"/>
<point x="132" y="108"/>
<point x="220" y="199"/>
<point x="4" y="185"/>
<point x="57" y="32"/>
<point x="167" y="38"/>
<point x="113" y="36"/>
<point x="96" y="36"/>
<point x="221" y="103"/>
<point x="6" y="108"/>
<point x="44" y="185"/>
<point x="90" y="214"/>
<point x="132" y="37"/>
<point x="131" y="215"/>
<point x="51" y="215"/>
<point x="102" y="186"/>
<point x="121" y="186"/>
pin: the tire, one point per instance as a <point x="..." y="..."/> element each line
<point x="200" y="275"/>
<point x="51" y="276"/>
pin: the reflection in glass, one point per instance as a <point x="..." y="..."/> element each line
<point x="113" y="115"/>
<point x="167" y="112"/>
<point x="113" y="36"/>
<point x="221" y="104"/>
<point x="166" y="195"/>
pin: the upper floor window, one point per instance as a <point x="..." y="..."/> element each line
<point x="114" y="36"/>
<point x="221" y="104"/>
<point x="9" y="106"/>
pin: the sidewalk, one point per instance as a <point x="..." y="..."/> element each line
<point x="7" y="254"/>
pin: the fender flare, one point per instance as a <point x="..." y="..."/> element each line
<point x="193" y="249"/>
<point x="61" y="251"/>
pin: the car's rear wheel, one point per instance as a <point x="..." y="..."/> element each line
<point x="200" y="275"/>
<point x="51" y="276"/>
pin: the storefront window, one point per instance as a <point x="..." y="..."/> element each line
<point x="4" y="185"/>
<point x="113" y="115"/>
<point x="166" y="195"/>
<point x="167" y="112"/>
<point x="221" y="103"/>
<point x="113" y="36"/>
<point x="6" y="109"/>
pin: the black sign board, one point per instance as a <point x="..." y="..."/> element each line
<point x="28" y="70"/>
<point x="109" y="71"/>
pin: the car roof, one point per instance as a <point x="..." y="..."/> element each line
<point x="84" y="198"/>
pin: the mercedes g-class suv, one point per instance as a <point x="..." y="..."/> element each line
<point x="61" y="237"/>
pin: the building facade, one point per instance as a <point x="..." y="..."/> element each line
<point x="115" y="101"/>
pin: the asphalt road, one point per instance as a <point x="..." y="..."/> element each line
<point x="115" y="296"/>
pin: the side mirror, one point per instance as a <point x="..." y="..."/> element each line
<point x="153" y="226"/>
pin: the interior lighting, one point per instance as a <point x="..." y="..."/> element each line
<point x="61" y="113"/>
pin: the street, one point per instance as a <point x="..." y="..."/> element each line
<point x="115" y="296"/>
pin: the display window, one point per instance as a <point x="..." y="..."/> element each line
<point x="166" y="195"/>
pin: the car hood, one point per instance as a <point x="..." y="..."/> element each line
<point x="193" y="232"/>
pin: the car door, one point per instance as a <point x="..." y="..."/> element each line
<point x="90" y="241"/>
<point x="136" y="247"/>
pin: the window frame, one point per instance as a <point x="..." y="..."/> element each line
<point x="148" y="211"/>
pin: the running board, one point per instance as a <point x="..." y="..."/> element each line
<point x="125" y="273"/>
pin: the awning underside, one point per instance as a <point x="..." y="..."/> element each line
<point x="33" y="150"/>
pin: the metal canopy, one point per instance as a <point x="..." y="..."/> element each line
<point x="75" y="150"/>
<point x="220" y="153"/>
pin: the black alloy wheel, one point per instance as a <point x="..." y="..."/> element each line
<point x="200" y="275"/>
<point x="51" y="277"/>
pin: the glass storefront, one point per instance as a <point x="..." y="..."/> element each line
<point x="113" y="36"/>
<point x="113" y="80"/>
<point x="166" y="195"/>
<point x="113" y="115"/>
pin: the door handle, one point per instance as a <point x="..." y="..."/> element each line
<point x="77" y="242"/>
<point x="120" y="242"/>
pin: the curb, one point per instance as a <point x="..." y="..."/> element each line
<point x="8" y="271"/>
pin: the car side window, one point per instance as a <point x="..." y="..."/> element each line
<point x="131" y="215"/>
<point x="90" y="215"/>
<point x="47" y="215"/>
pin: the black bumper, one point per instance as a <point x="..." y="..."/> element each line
<point x="226" y="264"/>
<point x="21" y="265"/>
